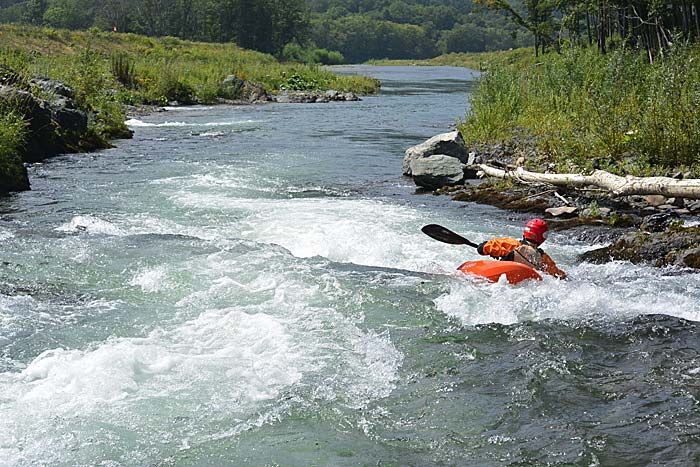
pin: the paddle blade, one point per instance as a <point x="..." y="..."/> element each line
<point x="445" y="235"/>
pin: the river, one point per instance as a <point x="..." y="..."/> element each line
<point x="249" y="285"/>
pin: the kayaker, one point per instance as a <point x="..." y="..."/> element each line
<point x="526" y="251"/>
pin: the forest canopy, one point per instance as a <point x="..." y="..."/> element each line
<point x="358" y="30"/>
<point x="334" y="31"/>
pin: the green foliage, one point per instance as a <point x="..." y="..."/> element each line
<point x="69" y="14"/>
<point x="168" y="83"/>
<point x="13" y="130"/>
<point x="408" y="29"/>
<point x="359" y="38"/>
<point x="123" y="69"/>
<point x="15" y="67"/>
<point x="293" y="52"/>
<point x="482" y="61"/>
<point x="299" y="82"/>
<point x="581" y="106"/>
<point x="328" y="57"/>
<point x="264" y="25"/>
<point x="92" y="85"/>
<point x="209" y="93"/>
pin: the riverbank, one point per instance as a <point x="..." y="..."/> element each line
<point x="100" y="75"/>
<point x="479" y="61"/>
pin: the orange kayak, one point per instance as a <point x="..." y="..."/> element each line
<point x="492" y="270"/>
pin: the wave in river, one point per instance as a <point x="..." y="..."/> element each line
<point x="232" y="368"/>
<point x="134" y="122"/>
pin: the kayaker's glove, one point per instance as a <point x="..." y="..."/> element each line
<point x="480" y="248"/>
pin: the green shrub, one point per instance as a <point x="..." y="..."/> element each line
<point x="294" y="52"/>
<point x="207" y="93"/>
<point x="123" y="69"/>
<point x="327" y="57"/>
<point x="93" y="95"/>
<point x="168" y="86"/>
<point x="13" y="131"/>
<point x="299" y="82"/>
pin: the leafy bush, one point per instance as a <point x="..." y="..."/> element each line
<point x="13" y="130"/>
<point x="207" y="93"/>
<point x="92" y="94"/>
<point x="123" y="69"/>
<point x="327" y="57"/>
<point x="299" y="82"/>
<point x="294" y="52"/>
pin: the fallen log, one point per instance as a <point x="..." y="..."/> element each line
<point x="615" y="184"/>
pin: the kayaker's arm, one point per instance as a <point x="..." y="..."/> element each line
<point x="550" y="267"/>
<point x="498" y="247"/>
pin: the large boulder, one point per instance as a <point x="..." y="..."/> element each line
<point x="54" y="125"/>
<point x="242" y="90"/>
<point x="60" y="102"/>
<point x="42" y="139"/>
<point x="436" y="171"/>
<point x="449" y="144"/>
<point x="13" y="175"/>
<point x="52" y="86"/>
<point x="69" y="119"/>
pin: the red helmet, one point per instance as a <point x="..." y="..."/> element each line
<point x="535" y="231"/>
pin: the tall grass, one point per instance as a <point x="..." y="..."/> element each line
<point x="157" y="70"/>
<point x="581" y="106"/>
<point x="12" y="137"/>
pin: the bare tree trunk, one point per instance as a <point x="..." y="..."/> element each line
<point x="588" y="28"/>
<point x="619" y="186"/>
<point x="601" y="28"/>
<point x="622" y="22"/>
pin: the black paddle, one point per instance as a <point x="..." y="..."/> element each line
<point x="445" y="235"/>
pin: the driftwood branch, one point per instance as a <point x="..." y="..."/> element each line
<point x="620" y="186"/>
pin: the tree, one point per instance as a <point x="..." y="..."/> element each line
<point x="69" y="14"/>
<point x="34" y="11"/>
<point x="538" y="18"/>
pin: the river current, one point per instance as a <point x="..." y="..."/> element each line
<point x="249" y="285"/>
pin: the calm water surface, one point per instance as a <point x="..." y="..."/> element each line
<point x="250" y="286"/>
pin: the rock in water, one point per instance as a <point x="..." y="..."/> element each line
<point x="562" y="211"/>
<point x="436" y="171"/>
<point x="449" y="144"/>
<point x="677" y="247"/>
